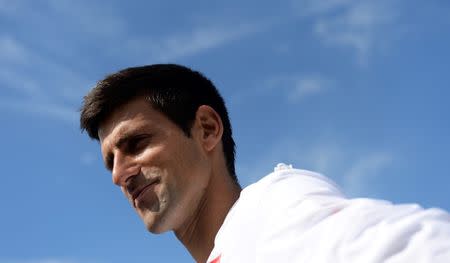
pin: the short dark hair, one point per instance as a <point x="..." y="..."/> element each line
<point x="174" y="90"/>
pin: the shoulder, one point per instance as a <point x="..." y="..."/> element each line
<point x="287" y="187"/>
<point x="287" y="179"/>
<point x="284" y="189"/>
<point x="294" y="215"/>
<point x="281" y="194"/>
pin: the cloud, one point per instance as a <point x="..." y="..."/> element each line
<point x="42" y="85"/>
<point x="363" y="26"/>
<point x="88" y="158"/>
<point x="8" y="7"/>
<point x="45" y="109"/>
<point x="363" y="172"/>
<point x="319" y="156"/>
<point x="192" y="42"/>
<point x="44" y="260"/>
<point x="314" y="7"/>
<point x="11" y="51"/>
<point x="93" y="19"/>
<point x="325" y="157"/>
<point x="97" y="22"/>
<point x="25" y="73"/>
<point x="354" y="169"/>
<point x="13" y="57"/>
<point x="10" y="79"/>
<point x="298" y="86"/>
<point x="22" y="62"/>
<point x="307" y="86"/>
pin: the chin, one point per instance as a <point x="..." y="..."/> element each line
<point x="153" y="230"/>
<point x="154" y="225"/>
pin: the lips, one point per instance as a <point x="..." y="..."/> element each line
<point x="138" y="192"/>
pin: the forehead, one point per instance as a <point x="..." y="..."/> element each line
<point x="132" y="115"/>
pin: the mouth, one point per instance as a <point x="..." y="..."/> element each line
<point x="138" y="193"/>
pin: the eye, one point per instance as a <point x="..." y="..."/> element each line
<point x="109" y="160"/>
<point x="137" y="143"/>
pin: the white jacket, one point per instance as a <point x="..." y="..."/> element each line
<point x="300" y="216"/>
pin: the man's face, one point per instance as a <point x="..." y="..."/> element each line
<point x="161" y="171"/>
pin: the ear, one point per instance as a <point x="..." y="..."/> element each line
<point x="209" y="127"/>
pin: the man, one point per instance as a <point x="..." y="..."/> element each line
<point x="166" y="137"/>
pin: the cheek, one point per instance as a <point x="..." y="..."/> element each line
<point x="152" y="157"/>
<point x="164" y="192"/>
<point x="193" y="172"/>
<point x="191" y="158"/>
<point x="153" y="172"/>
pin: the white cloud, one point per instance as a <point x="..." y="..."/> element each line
<point x="51" y="85"/>
<point x="363" y="26"/>
<point x="297" y="86"/>
<point x="13" y="57"/>
<point x="23" y="63"/>
<point x="26" y="72"/>
<point x="8" y="7"/>
<point x="11" y="51"/>
<point x="46" y="260"/>
<point x="292" y="87"/>
<point x="46" y="109"/>
<point x="325" y="157"/>
<point x="299" y="152"/>
<point x="86" y="17"/>
<point x="354" y="169"/>
<point x="27" y="87"/>
<point x="314" y="7"/>
<point x="88" y="158"/>
<point x="96" y="21"/>
<point x="89" y="17"/>
<point x="307" y="86"/>
<point x="193" y="42"/>
<point x="363" y="172"/>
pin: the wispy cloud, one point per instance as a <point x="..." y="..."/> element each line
<point x="93" y="19"/>
<point x="363" y="26"/>
<point x="364" y="171"/>
<point x="44" y="109"/>
<point x="7" y="7"/>
<point x="13" y="57"/>
<point x="293" y="87"/>
<point x="307" y="86"/>
<point x="44" y="260"/>
<point x="298" y="86"/>
<point x="313" y="7"/>
<point x="43" y="78"/>
<point x="11" y="51"/>
<point x="88" y="158"/>
<point x="84" y="17"/>
<point x="194" y="41"/>
<point x="326" y="157"/>
<point x="10" y="79"/>
<point x="354" y="170"/>
<point x="18" y="74"/>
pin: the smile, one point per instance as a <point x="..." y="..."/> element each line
<point x="137" y="194"/>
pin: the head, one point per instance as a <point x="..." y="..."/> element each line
<point x="153" y="124"/>
<point x="175" y="91"/>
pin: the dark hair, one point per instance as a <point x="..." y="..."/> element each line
<point x="174" y="90"/>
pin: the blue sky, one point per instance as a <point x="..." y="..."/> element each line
<point x="357" y="90"/>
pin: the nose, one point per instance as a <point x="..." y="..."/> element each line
<point x="124" y="168"/>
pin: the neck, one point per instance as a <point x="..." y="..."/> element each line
<point x="199" y="232"/>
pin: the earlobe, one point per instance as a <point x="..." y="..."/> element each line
<point x="210" y="126"/>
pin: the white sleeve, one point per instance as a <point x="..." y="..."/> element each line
<point x="321" y="226"/>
